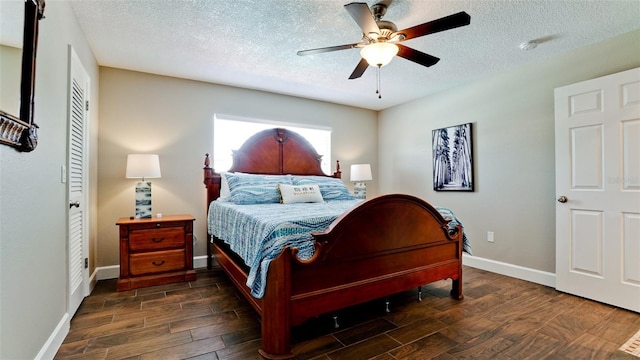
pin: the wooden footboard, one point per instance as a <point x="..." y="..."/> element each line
<point x="384" y="246"/>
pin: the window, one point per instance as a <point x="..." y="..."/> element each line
<point x="230" y="132"/>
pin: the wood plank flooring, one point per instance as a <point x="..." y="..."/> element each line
<point x="500" y="318"/>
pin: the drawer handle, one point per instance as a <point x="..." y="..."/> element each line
<point x="158" y="264"/>
<point x="157" y="240"/>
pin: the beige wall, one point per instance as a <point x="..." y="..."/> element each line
<point x="513" y="135"/>
<point x="33" y="205"/>
<point x="173" y="117"/>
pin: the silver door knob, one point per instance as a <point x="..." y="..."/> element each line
<point x="562" y="199"/>
<point x="75" y="203"/>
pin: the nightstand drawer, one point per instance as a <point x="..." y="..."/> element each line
<point x="156" y="239"/>
<point x="155" y="262"/>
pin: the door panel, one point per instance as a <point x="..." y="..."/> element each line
<point x="586" y="157"/>
<point x="630" y="264"/>
<point x="631" y="155"/>
<point x="586" y="242"/>
<point x="598" y="171"/>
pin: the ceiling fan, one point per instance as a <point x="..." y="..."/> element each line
<point x="381" y="38"/>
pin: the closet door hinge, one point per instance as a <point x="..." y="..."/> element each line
<point x="87" y="107"/>
<point x="86" y="263"/>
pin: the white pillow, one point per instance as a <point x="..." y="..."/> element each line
<point x="224" y="187"/>
<point x="290" y="194"/>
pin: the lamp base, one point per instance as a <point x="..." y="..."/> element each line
<point x="360" y="190"/>
<point x="143" y="200"/>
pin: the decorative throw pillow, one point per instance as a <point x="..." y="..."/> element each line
<point x="247" y="189"/>
<point x="331" y="188"/>
<point x="290" y="194"/>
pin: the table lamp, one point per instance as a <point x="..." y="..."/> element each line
<point x="359" y="174"/>
<point x="143" y="166"/>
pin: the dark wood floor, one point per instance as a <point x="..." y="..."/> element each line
<point x="500" y="318"/>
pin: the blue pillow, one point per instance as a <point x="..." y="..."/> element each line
<point x="331" y="188"/>
<point x="247" y="189"/>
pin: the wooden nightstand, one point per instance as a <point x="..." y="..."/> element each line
<point x="155" y="251"/>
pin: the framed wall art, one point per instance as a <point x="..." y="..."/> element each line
<point x="452" y="158"/>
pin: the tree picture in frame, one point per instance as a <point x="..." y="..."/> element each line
<point x="452" y="158"/>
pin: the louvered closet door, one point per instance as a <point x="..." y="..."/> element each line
<point x="78" y="277"/>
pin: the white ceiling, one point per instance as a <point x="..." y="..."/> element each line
<point x="253" y="43"/>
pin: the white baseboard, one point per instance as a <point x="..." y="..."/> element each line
<point x="511" y="270"/>
<point x="93" y="280"/>
<point x="53" y="343"/>
<point x="107" y="272"/>
<point x="113" y="271"/>
<point x="200" y="261"/>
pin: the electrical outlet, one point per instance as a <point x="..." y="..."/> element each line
<point x="490" y="236"/>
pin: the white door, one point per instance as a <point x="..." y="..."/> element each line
<point x="598" y="189"/>
<point x="77" y="258"/>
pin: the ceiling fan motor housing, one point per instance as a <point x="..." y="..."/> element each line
<point x="387" y="28"/>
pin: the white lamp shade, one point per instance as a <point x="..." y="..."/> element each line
<point x="143" y="166"/>
<point x="379" y="54"/>
<point x="361" y="172"/>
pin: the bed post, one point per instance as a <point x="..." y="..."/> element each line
<point x="456" y="284"/>
<point x="337" y="173"/>
<point x="276" y="316"/>
<point x="212" y="183"/>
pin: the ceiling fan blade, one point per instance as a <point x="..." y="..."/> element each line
<point x="362" y="15"/>
<point x="416" y="56"/>
<point x="327" y="49"/>
<point x="442" y="24"/>
<point x="359" y="70"/>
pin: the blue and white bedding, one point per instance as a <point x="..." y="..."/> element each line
<point x="259" y="232"/>
<point x="447" y="214"/>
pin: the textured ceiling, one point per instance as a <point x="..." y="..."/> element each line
<point x="253" y="43"/>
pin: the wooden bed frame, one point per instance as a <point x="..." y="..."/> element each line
<point x="386" y="245"/>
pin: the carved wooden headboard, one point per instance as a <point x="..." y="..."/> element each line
<point x="274" y="151"/>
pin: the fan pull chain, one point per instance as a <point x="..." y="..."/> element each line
<point x="378" y="91"/>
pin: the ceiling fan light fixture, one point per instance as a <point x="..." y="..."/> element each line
<point x="379" y="54"/>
